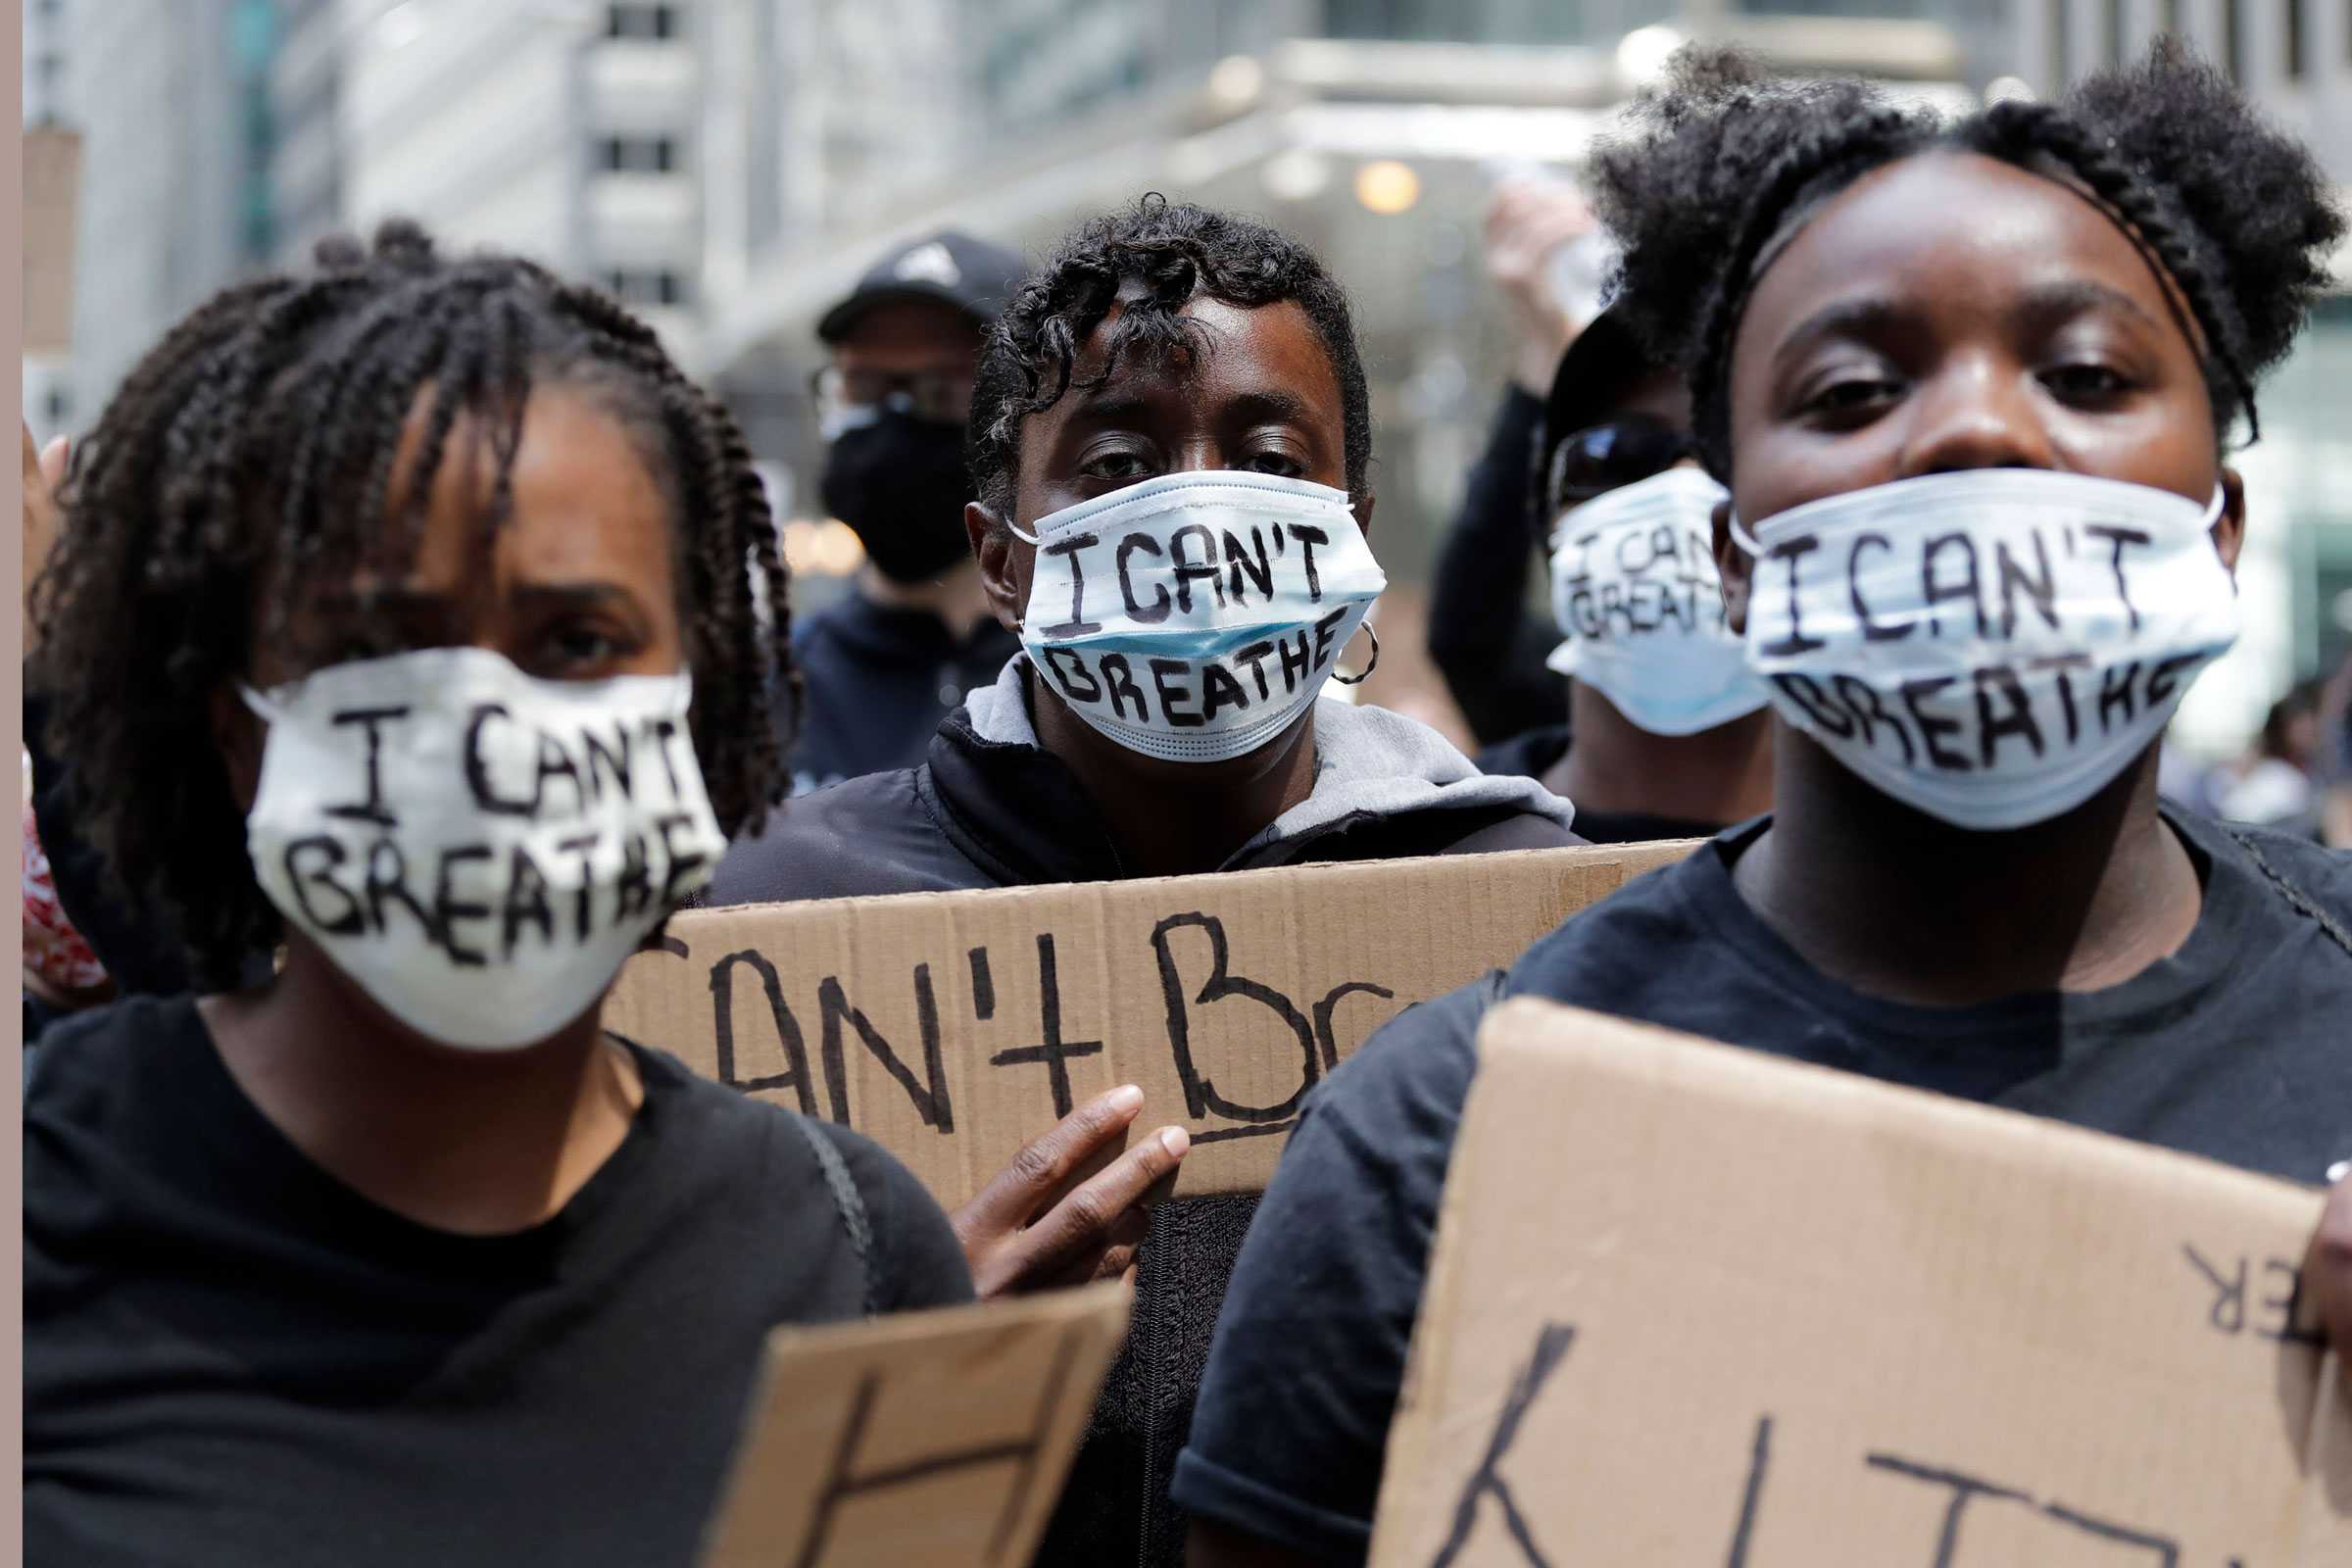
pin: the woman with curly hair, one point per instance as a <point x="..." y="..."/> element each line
<point x="399" y="625"/>
<point x="1970" y="384"/>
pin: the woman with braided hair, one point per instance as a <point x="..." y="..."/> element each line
<point x="1970" y="384"/>
<point x="399" y="625"/>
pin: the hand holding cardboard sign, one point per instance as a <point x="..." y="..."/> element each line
<point x="2332" y="1263"/>
<point x="1093" y="1232"/>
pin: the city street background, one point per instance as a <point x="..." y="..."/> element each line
<point x="728" y="167"/>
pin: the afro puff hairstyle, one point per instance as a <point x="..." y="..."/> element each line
<point x="250" y="456"/>
<point x="1724" y="160"/>
<point x="1178" y="252"/>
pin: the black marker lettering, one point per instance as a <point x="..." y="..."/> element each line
<point x="1933" y="593"/>
<point x="636" y="889"/>
<point x="1324" y="650"/>
<point x="833" y="1008"/>
<point x="1055" y="1052"/>
<point x="477" y="772"/>
<point x="1751" y="1496"/>
<point x="2292" y="1324"/>
<point x="1077" y="625"/>
<point x="1861" y="700"/>
<point x="328" y="853"/>
<point x="1552" y="1342"/>
<point x="2062" y="662"/>
<point x="666" y="732"/>
<point x="2018" y="721"/>
<point x="1294" y="662"/>
<point x="1188" y="571"/>
<point x="1307" y="539"/>
<point x="556" y="762"/>
<point x="2165" y="677"/>
<point x="387" y="882"/>
<point x="527" y="901"/>
<point x="1219" y="689"/>
<point x="1067" y="679"/>
<point x="1790" y="551"/>
<point x="583" y="904"/>
<point x="1930" y="725"/>
<point x="1200" y="1096"/>
<point x="1338" y="994"/>
<point x="1162" y="669"/>
<point x="448" y="910"/>
<point x="2042" y="589"/>
<point x="2119" y="537"/>
<point x="2115" y="695"/>
<point x="602" y="761"/>
<point x="984" y="985"/>
<point x="1121" y="684"/>
<point x="1157" y="609"/>
<point x="1965" y="1491"/>
<point x="1801" y="690"/>
<point x="788" y="1029"/>
<point x="1254" y="656"/>
<point x="373" y="809"/>
<point x="1238" y="561"/>
<point x="1872" y="631"/>
<point x="2228" y="1312"/>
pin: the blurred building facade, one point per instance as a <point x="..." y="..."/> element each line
<point x="728" y="167"/>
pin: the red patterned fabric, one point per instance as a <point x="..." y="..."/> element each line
<point x="53" y="950"/>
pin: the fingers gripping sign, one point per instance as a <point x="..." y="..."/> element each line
<point x="1043" y="1223"/>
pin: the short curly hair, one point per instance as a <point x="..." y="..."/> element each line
<point x="250" y="456"/>
<point x="1724" y="159"/>
<point x="1178" y="252"/>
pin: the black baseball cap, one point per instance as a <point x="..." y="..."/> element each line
<point x="1600" y="365"/>
<point x="954" y="268"/>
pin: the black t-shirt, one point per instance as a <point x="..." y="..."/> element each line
<point x="2236" y="1047"/>
<point x="231" y="1357"/>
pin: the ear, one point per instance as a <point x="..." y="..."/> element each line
<point x="2230" y="528"/>
<point x="1002" y="561"/>
<point x="1362" y="505"/>
<point x="1735" y="568"/>
<point x="237" y="739"/>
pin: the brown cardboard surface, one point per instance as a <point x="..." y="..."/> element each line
<point x="954" y="1027"/>
<point x="1696" y="1306"/>
<point x="934" y="1439"/>
<point x="52" y="192"/>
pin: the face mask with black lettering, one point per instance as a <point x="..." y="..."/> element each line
<point x="1193" y="616"/>
<point x="478" y="849"/>
<point x="1991" y="647"/>
<point x="1633" y="586"/>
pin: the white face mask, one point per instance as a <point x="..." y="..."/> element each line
<point x="1193" y="616"/>
<point x="480" y="850"/>
<point x="1633" y="586"/>
<point x="1991" y="647"/>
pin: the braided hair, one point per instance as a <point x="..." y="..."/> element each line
<point x="1178" y="252"/>
<point x="1725" y="162"/>
<point x="251" y="456"/>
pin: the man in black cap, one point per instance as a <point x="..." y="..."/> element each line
<point x="884" y="666"/>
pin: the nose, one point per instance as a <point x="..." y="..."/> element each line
<point x="1975" y="411"/>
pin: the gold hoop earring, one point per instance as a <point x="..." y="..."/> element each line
<point x="1358" y="680"/>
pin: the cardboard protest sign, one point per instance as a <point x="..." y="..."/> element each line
<point x="51" y="198"/>
<point x="933" y="1440"/>
<point x="1691" y="1305"/>
<point x="954" y="1027"/>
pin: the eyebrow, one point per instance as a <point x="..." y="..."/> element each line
<point x="1871" y="316"/>
<point x="2055" y="304"/>
<point x="1269" y="406"/>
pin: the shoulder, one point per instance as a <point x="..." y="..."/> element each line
<point x="1404" y="1087"/>
<point x="2297" y="865"/>
<point x="914" y="1249"/>
<point x="89" y="1061"/>
<point x="869" y="835"/>
<point x="1632" y="937"/>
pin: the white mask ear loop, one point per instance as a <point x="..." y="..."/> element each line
<point x="1014" y="529"/>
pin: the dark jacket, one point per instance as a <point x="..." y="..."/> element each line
<point x="1532" y="756"/>
<point x="1486" y="642"/>
<point x="875" y="683"/>
<point x="990" y="809"/>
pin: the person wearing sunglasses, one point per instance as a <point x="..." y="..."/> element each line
<point x="1672" y="735"/>
<point x="882" y="666"/>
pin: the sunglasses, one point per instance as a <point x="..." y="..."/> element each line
<point x="1602" y="458"/>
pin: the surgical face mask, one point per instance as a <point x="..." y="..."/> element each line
<point x="898" y="482"/>
<point x="480" y="850"/>
<point x="1193" y="616"/>
<point x="1633" y="586"/>
<point x="1991" y="647"/>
